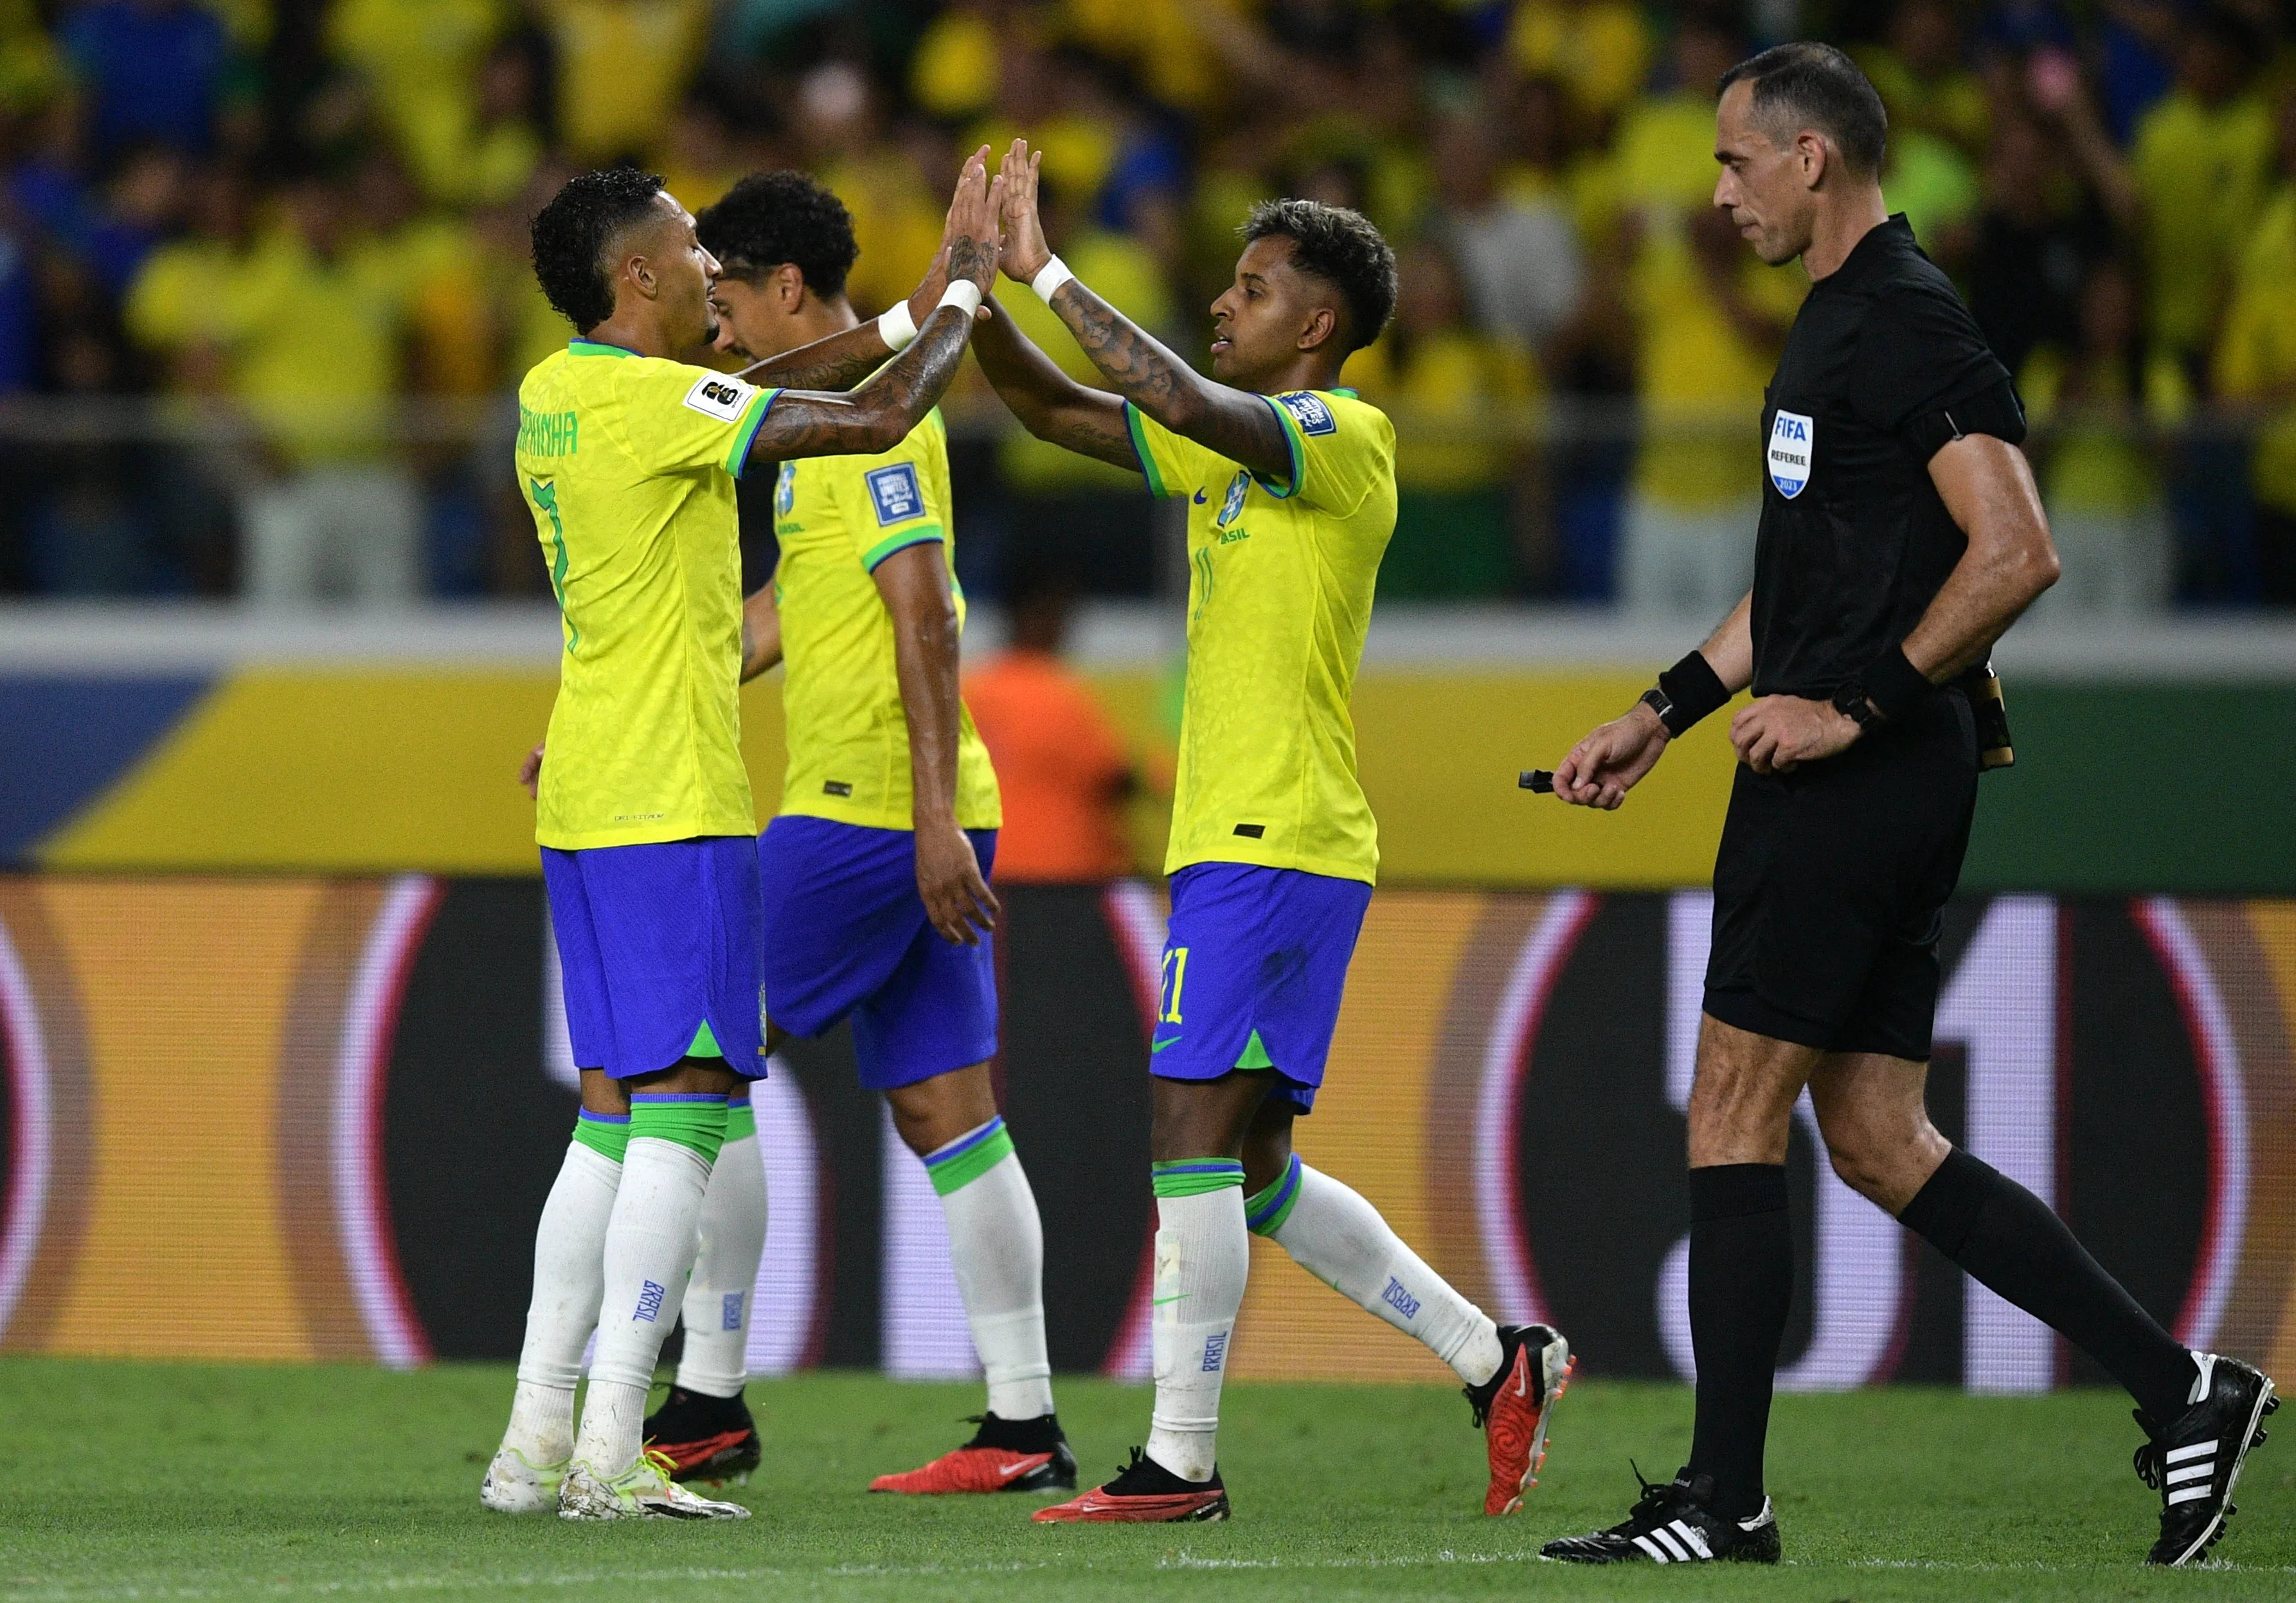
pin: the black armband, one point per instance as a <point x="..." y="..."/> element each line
<point x="1994" y="410"/>
<point x="1894" y="685"/>
<point x="1691" y="690"/>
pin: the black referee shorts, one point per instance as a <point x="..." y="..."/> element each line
<point x="1831" y="884"/>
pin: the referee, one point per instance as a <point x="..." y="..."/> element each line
<point x="1901" y="536"/>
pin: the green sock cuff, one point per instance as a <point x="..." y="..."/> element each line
<point x="1265" y="1214"/>
<point x="968" y="1157"/>
<point x="607" y="1134"/>
<point x="693" y="1121"/>
<point x="741" y="1118"/>
<point x="1194" y="1176"/>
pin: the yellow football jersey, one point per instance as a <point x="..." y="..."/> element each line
<point x="837" y="518"/>
<point x="628" y="464"/>
<point x="1280" y="586"/>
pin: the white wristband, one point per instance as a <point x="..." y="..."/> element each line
<point x="963" y="294"/>
<point x="897" y="328"/>
<point x="1049" y="278"/>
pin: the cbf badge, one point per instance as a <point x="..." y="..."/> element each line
<point x="1793" y="440"/>
<point x="1238" y="488"/>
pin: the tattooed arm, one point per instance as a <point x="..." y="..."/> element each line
<point x="1238" y="424"/>
<point x="880" y="414"/>
<point x="1049" y="404"/>
<point x="843" y="360"/>
<point x="875" y="417"/>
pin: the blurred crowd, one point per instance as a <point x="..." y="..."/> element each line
<point x="263" y="283"/>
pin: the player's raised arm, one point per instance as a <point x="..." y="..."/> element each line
<point x="880" y="414"/>
<point x="1236" y="424"/>
<point x="1048" y="403"/>
<point x="846" y="358"/>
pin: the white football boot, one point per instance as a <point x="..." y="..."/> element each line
<point x="643" y="1491"/>
<point x="515" y="1484"/>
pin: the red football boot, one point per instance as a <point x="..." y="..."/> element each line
<point x="1004" y="1455"/>
<point x="705" y="1438"/>
<point x="1144" y="1493"/>
<point x="1512" y="1408"/>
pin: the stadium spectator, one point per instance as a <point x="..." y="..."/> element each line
<point x="316" y="325"/>
<point x="1598" y="50"/>
<point x="1454" y="392"/>
<point x="2100" y="409"/>
<point x="1060" y="763"/>
<point x="1711" y="321"/>
<point x="2202" y="160"/>
<point x="153" y="71"/>
<point x="2255" y="364"/>
<point x="1925" y="80"/>
<point x="1060" y="501"/>
<point x="2033" y="244"/>
<point x="623" y="66"/>
<point x="1519" y="253"/>
<point x="422" y="59"/>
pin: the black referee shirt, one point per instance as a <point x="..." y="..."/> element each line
<point x="1883" y="366"/>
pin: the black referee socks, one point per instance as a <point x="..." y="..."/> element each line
<point x="2015" y="1246"/>
<point x="1740" y="1281"/>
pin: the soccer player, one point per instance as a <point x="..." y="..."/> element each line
<point x="1901" y="536"/>
<point x="626" y="457"/>
<point x="876" y="907"/>
<point x="1291" y="486"/>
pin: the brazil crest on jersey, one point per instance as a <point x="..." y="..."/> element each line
<point x="628" y="464"/>
<point x="837" y="518"/>
<point x="1280" y="575"/>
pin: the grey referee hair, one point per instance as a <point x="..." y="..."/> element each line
<point x="1806" y="85"/>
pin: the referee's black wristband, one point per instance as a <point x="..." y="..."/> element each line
<point x="1693" y="690"/>
<point x="1894" y="685"/>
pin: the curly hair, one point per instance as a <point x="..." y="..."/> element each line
<point x="572" y="232"/>
<point x="1341" y="247"/>
<point x="771" y="219"/>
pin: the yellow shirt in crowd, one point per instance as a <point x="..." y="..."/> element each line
<point x="2256" y="357"/>
<point x="628" y="464"/>
<point x="837" y="518"/>
<point x="1701" y="382"/>
<point x="2202" y="174"/>
<point x="1280" y="583"/>
<point x="623" y="66"/>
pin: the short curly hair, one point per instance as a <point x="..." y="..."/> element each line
<point x="1341" y="247"/>
<point x="572" y="235"/>
<point x="768" y="219"/>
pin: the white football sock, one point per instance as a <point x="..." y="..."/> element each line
<point x="1332" y="1233"/>
<point x="1204" y="1256"/>
<point x="717" y="1311"/>
<point x="996" y="1243"/>
<point x="649" y="1248"/>
<point x="569" y="1275"/>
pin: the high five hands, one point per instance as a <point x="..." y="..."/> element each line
<point x="1025" y="251"/>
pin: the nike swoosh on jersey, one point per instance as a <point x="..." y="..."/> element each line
<point x="1157" y="1046"/>
<point x="1200" y="498"/>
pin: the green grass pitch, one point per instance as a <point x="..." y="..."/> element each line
<point x="152" y="1481"/>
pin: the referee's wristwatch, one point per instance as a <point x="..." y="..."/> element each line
<point x="1660" y="703"/>
<point x="1852" y="703"/>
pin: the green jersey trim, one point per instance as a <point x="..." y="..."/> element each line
<point x="1140" y="449"/>
<point x="745" y="433"/>
<point x="595" y="347"/>
<point x="891" y="543"/>
<point x="1298" y="453"/>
